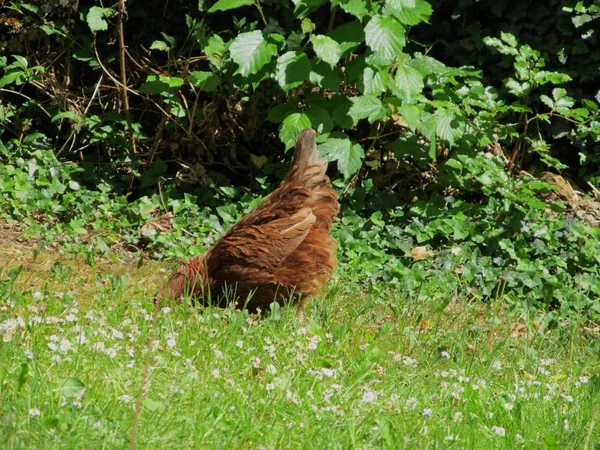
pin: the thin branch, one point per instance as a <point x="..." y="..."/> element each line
<point x="28" y="98"/>
<point x="87" y="108"/>
<point x="125" y="98"/>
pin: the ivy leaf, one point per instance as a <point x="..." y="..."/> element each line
<point x="224" y="5"/>
<point x="251" y="52"/>
<point x="450" y="124"/>
<point x="386" y="36"/>
<point x="292" y="70"/>
<point x="408" y="83"/>
<point x="366" y="106"/>
<point x="291" y="127"/>
<point x="348" y="156"/>
<point x="326" y="48"/>
<point x="95" y="18"/>
<point x="409" y="12"/>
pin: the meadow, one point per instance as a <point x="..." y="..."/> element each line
<point x="85" y="362"/>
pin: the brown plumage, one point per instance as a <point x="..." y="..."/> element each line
<point x="281" y="249"/>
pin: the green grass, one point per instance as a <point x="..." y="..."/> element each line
<point x="367" y="369"/>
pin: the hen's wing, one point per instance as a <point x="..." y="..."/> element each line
<point x="258" y="248"/>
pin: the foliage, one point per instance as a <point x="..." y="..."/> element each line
<point x="430" y="134"/>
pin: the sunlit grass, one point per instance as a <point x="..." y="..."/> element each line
<point x="369" y="368"/>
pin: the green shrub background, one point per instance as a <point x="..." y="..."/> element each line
<point x="440" y="119"/>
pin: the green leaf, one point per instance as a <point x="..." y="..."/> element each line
<point x="280" y="111"/>
<point x="326" y="48"/>
<point x="307" y="25"/>
<point x="325" y="76"/>
<point x="292" y="69"/>
<point x="251" y="52"/>
<point x="159" y="45"/>
<point x="357" y="8"/>
<point x="160" y="84"/>
<point x="70" y="387"/>
<point x="64" y="115"/>
<point x="291" y="127"/>
<point x="340" y="113"/>
<point x="95" y="18"/>
<point x="409" y="12"/>
<point x="561" y="98"/>
<point x="411" y="115"/>
<point x="450" y="124"/>
<point x="376" y="83"/>
<point x="320" y="119"/>
<point x="348" y="156"/>
<point x="155" y="86"/>
<point x="207" y="81"/>
<point x="224" y="5"/>
<point x="408" y="83"/>
<point x="349" y="36"/>
<point x="386" y="36"/>
<point x="152" y="405"/>
<point x="547" y="101"/>
<point x="366" y="106"/>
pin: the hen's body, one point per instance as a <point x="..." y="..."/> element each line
<point x="281" y="249"/>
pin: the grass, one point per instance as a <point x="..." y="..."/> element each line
<point x="368" y="368"/>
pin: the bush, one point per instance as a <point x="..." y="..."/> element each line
<point x="150" y="111"/>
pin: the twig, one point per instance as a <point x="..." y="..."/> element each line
<point x="332" y="18"/>
<point x="87" y="108"/>
<point x="595" y="189"/>
<point x="125" y="98"/>
<point x="28" y="98"/>
<point x="262" y="15"/>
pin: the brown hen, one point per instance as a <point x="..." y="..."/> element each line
<point x="280" y="250"/>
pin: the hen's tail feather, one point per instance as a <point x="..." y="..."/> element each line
<point x="306" y="153"/>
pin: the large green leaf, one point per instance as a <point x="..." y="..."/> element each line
<point x="450" y="124"/>
<point x="325" y="76"/>
<point x="386" y="36"/>
<point x="207" y="81"/>
<point x="292" y="70"/>
<point x="224" y="5"/>
<point x="251" y="52"/>
<point x="95" y="18"/>
<point x="408" y="83"/>
<point x="348" y="156"/>
<point x="367" y="106"/>
<point x="357" y="8"/>
<point x="375" y="82"/>
<point x="349" y="36"/>
<point x="409" y="12"/>
<point x="320" y="119"/>
<point x="291" y="126"/>
<point x="326" y="48"/>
